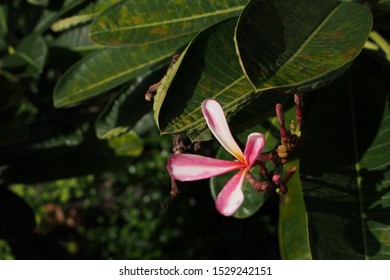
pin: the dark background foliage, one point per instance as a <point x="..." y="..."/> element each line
<point x="83" y="164"/>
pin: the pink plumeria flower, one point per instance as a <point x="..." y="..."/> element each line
<point x="189" y="167"/>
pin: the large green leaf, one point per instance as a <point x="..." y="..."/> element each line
<point x="30" y="53"/>
<point x="75" y="39"/>
<point x="300" y="45"/>
<point x="208" y="68"/>
<point x="117" y="118"/>
<point x="128" y="144"/>
<point x="140" y="22"/>
<point x="3" y="24"/>
<point x="293" y="236"/>
<point x="108" y="68"/>
<point x="75" y="29"/>
<point x="345" y="170"/>
<point x="51" y="16"/>
<point x="39" y="2"/>
<point x="85" y="15"/>
<point x="292" y="229"/>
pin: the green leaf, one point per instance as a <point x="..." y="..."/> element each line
<point x="69" y="22"/>
<point x="300" y="45"/>
<point x="208" y="68"/>
<point x="39" y="2"/>
<point x="293" y="237"/>
<point x="30" y="53"/>
<point x="117" y="118"/>
<point x="75" y="39"/>
<point x="85" y="15"/>
<point x="108" y="68"/>
<point x="383" y="51"/>
<point x="3" y="24"/>
<point x="17" y="219"/>
<point x="140" y="22"/>
<point x="253" y="200"/>
<point x="345" y="170"/>
<point x="49" y="17"/>
<point x="128" y="144"/>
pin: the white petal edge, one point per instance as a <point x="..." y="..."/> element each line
<point x="231" y="196"/>
<point x="254" y="146"/>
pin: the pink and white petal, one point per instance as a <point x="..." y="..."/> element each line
<point x="218" y="125"/>
<point x="254" y="146"/>
<point x="188" y="167"/>
<point x="231" y="196"/>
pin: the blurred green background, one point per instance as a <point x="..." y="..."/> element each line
<point x="117" y="215"/>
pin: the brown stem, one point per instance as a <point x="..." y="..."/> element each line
<point x="172" y="196"/>
<point x="281" y="121"/>
<point x="257" y="185"/>
<point x="264" y="157"/>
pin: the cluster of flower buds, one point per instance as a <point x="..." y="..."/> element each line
<point x="274" y="182"/>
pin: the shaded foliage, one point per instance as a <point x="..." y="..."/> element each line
<point x="82" y="161"/>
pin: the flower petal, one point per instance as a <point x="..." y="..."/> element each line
<point x="231" y="196"/>
<point x="217" y="123"/>
<point x="254" y="146"/>
<point x="188" y="167"/>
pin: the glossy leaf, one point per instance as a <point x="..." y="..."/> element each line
<point x="17" y="219"/>
<point x="383" y="46"/>
<point x="300" y="45"/>
<point x="292" y="228"/>
<point x="31" y="53"/>
<point x="76" y="39"/>
<point x="140" y="22"/>
<point x="128" y="144"/>
<point x="208" y="68"/>
<point x="39" y="2"/>
<point x="293" y="236"/>
<point x="69" y="22"/>
<point x="3" y="24"/>
<point x="108" y="68"/>
<point x="345" y="170"/>
<point x="85" y="15"/>
<point x="52" y="16"/>
<point x="117" y="118"/>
